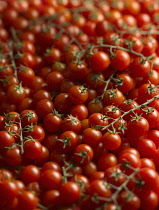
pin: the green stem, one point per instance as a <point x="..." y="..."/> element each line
<point x="135" y="108"/>
<point x="42" y="207"/>
<point x="21" y="137"/>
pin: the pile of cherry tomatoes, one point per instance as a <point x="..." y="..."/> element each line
<point x="79" y="105"/>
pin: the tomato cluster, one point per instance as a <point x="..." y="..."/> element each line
<point x="79" y="105"/>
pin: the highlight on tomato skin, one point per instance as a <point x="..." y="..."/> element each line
<point x="79" y="105"/>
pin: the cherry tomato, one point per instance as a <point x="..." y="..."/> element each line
<point x="83" y="154"/>
<point x="70" y="193"/>
<point x="99" y="62"/>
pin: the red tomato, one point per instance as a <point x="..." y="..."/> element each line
<point x="120" y="60"/>
<point x="36" y="132"/>
<point x="71" y="123"/>
<point x="52" y="122"/>
<point x="50" y="179"/>
<point x="151" y="115"/>
<point x="32" y="149"/>
<point x="70" y="193"/>
<point x="106" y="160"/>
<point x="68" y="140"/>
<point x="83" y="154"/>
<point x="111" y="141"/>
<point x="92" y="137"/>
<point x="113" y="97"/>
<point x="15" y="93"/>
<point x="6" y="140"/>
<point x="30" y="173"/>
<point x="139" y="67"/>
<point x="78" y="94"/>
<point x="27" y="200"/>
<point x="137" y="126"/>
<point x="99" y="187"/>
<point x="99" y="62"/>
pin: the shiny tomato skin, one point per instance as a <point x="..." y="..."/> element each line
<point x="50" y="179"/>
<point x="67" y="141"/>
<point x="27" y="200"/>
<point x="15" y="93"/>
<point x="78" y="94"/>
<point x="111" y="141"/>
<point x="140" y="125"/>
<point x="91" y="137"/>
<point x="70" y="193"/>
<point x="6" y="139"/>
<point x="121" y="61"/>
<point x="83" y="154"/>
<point x="99" y="62"/>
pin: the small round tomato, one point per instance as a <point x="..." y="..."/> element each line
<point x="124" y="83"/>
<point x="139" y="124"/>
<point x="120" y="60"/>
<point x="78" y="94"/>
<point x="149" y="199"/>
<point x="26" y="75"/>
<point x="32" y="149"/>
<point x="51" y="165"/>
<point x="44" y="107"/>
<point x="13" y="129"/>
<point x="150" y="179"/>
<point x="30" y="173"/>
<point x="106" y="160"/>
<point x="113" y="97"/>
<point x="132" y="203"/>
<point x="147" y="163"/>
<point x="51" y="198"/>
<point x="139" y="67"/>
<point x="70" y="193"/>
<point x="6" y="139"/>
<point x="77" y="71"/>
<point x="151" y="115"/>
<point x="68" y="140"/>
<point x="16" y="93"/>
<point x="113" y="175"/>
<point x="36" y="132"/>
<point x="91" y="137"/>
<point x="152" y="77"/>
<point x="128" y="105"/>
<point x="99" y="187"/>
<point x="28" y="117"/>
<point x="147" y="91"/>
<point x="8" y="191"/>
<point x="40" y="95"/>
<point x="80" y="111"/>
<point x="13" y="156"/>
<point x="62" y="103"/>
<point x="52" y="121"/>
<point x="54" y="81"/>
<point x="50" y="179"/>
<point x="95" y="106"/>
<point x="83" y="154"/>
<point x="98" y="120"/>
<point x="27" y="200"/>
<point x="71" y="123"/>
<point x="99" y="62"/>
<point x="154" y="136"/>
<point x="111" y="141"/>
<point x="97" y="175"/>
<point x="111" y="112"/>
<point x="129" y="159"/>
<point x="146" y="148"/>
<point x="82" y="180"/>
